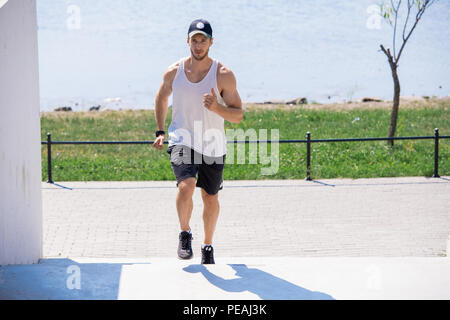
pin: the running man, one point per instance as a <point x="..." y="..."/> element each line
<point x="204" y="95"/>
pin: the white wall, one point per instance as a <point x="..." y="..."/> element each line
<point x="20" y="157"/>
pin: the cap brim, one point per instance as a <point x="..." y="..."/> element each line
<point x="198" y="31"/>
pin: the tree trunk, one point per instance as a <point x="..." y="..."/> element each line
<point x="396" y="104"/>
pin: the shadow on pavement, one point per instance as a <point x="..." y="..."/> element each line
<point x="60" y="279"/>
<point x="261" y="283"/>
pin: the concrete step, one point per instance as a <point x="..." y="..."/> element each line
<point x="235" y="278"/>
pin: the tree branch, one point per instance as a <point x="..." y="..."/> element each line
<point x="395" y="24"/>
<point x="418" y="16"/>
<point x="409" y="4"/>
<point x="387" y="52"/>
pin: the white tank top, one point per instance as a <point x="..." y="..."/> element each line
<point x="193" y="124"/>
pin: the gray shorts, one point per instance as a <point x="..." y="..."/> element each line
<point x="186" y="163"/>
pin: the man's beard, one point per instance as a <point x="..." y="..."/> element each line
<point x="201" y="58"/>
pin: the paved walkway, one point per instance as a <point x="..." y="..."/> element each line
<point x="383" y="238"/>
<point x="380" y="217"/>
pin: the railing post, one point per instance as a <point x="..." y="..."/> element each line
<point x="436" y="153"/>
<point x="308" y="156"/>
<point x="49" y="158"/>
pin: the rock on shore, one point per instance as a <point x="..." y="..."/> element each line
<point x="301" y="100"/>
<point x="370" y="99"/>
<point x="63" y="109"/>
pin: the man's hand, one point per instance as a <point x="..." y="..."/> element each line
<point x="159" y="142"/>
<point x="210" y="100"/>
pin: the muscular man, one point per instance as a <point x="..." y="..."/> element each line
<point x="204" y="95"/>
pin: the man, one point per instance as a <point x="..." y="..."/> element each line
<point x="204" y="95"/>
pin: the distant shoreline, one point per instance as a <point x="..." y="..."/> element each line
<point x="405" y="102"/>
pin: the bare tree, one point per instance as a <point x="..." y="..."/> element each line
<point x="390" y="12"/>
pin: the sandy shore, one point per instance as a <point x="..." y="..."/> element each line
<point x="407" y="102"/>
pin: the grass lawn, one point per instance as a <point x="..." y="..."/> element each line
<point x="329" y="160"/>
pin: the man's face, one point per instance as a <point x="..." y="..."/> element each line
<point x="199" y="45"/>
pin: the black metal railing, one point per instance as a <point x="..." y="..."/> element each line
<point x="308" y="142"/>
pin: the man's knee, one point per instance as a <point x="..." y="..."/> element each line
<point x="210" y="198"/>
<point x="187" y="186"/>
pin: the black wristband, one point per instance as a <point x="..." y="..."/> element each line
<point x="159" y="132"/>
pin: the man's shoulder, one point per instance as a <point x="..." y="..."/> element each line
<point x="224" y="70"/>
<point x="224" y="74"/>
<point x="175" y="65"/>
<point x="171" y="70"/>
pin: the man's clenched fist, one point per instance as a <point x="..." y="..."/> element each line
<point x="210" y="100"/>
<point x="159" y="142"/>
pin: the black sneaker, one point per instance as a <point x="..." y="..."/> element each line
<point x="208" y="255"/>
<point x="184" y="246"/>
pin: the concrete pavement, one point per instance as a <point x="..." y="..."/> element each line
<point x="382" y="238"/>
<point x="249" y="278"/>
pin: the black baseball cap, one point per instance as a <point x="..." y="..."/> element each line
<point x="200" y="26"/>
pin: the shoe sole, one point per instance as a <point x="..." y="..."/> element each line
<point x="191" y="257"/>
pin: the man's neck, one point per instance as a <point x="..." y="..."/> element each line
<point x="197" y="65"/>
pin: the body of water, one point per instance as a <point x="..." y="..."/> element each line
<point x="113" y="53"/>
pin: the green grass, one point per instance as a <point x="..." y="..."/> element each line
<point x="329" y="160"/>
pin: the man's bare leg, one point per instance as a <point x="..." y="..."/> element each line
<point x="211" y="210"/>
<point x="184" y="202"/>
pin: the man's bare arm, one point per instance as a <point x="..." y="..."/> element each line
<point x="162" y="104"/>
<point x="233" y="110"/>
<point x="162" y="100"/>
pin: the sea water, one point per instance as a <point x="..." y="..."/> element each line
<point x="113" y="53"/>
